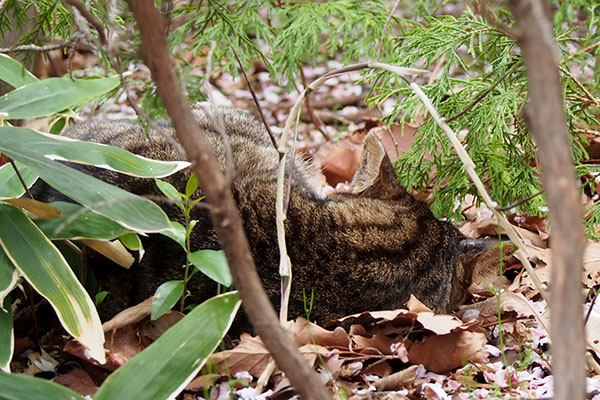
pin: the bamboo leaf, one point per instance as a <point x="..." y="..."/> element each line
<point x="163" y="369"/>
<point x="10" y="185"/>
<point x="9" y="276"/>
<point x="7" y="337"/>
<point x="51" y="95"/>
<point x="14" y="73"/>
<point x="44" y="267"/>
<point x="19" y="387"/>
<point x="48" y="146"/>
<point x="131" y="211"/>
<point x="77" y="223"/>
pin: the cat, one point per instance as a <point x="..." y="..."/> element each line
<point x="364" y="250"/>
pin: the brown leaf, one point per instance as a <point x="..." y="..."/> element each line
<point x="591" y="264"/>
<point x="129" y="316"/>
<point x="397" y="141"/>
<point x="113" y="250"/>
<point x="397" y="380"/>
<point x="486" y="270"/>
<point x="341" y="162"/>
<point x="509" y="302"/>
<point x="306" y="332"/>
<point x="202" y="381"/>
<point x="252" y="356"/>
<point x="40" y="209"/>
<point x="79" y="381"/>
<point x="379" y="341"/>
<point x="441" y="354"/>
<point x="413" y="304"/>
<point x="153" y="329"/>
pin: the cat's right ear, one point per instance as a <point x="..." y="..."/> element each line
<point x="375" y="176"/>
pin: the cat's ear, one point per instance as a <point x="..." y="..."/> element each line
<point x="375" y="176"/>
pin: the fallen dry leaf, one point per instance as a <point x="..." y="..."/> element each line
<point x="113" y="250"/>
<point x="341" y="161"/>
<point x="252" y="356"/>
<point x="79" y="381"/>
<point x="487" y="310"/>
<point x="441" y="354"/>
<point x="129" y="316"/>
<point x="397" y="380"/>
<point x="306" y="332"/>
<point x="591" y="264"/>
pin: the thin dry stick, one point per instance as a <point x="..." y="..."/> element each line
<point x="584" y="50"/>
<point x="311" y="113"/>
<point x="12" y="162"/>
<point x="385" y="26"/>
<point x="258" y="107"/>
<point x="70" y="43"/>
<point x="91" y="18"/>
<point x="512" y="233"/>
<point x="590" y="97"/>
<point x="481" y="96"/>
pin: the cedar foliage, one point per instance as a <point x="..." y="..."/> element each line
<point x="478" y="54"/>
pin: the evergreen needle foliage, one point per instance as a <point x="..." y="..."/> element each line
<point x="473" y="55"/>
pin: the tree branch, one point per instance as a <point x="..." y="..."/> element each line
<point x="224" y="213"/>
<point x="546" y="118"/>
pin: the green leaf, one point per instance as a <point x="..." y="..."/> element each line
<point x="19" y="387"/>
<point x="100" y="296"/>
<point x="131" y="211"/>
<point x="213" y="264"/>
<point x="133" y="242"/>
<point x="51" y="95"/>
<point x="165" y="298"/>
<point x="191" y="185"/>
<point x="177" y="233"/>
<point x="44" y="267"/>
<point x="10" y="185"/>
<point x="8" y="276"/>
<point x="7" y="337"/>
<point x="14" y="73"/>
<point x="164" y="368"/>
<point x="58" y="126"/>
<point x="169" y="190"/>
<point x="77" y="222"/>
<point x="48" y="146"/>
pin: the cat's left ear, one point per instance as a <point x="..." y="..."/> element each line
<point x="375" y="176"/>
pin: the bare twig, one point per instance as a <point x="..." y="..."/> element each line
<point x="12" y="162"/>
<point x="481" y="96"/>
<point x="590" y="97"/>
<point x="589" y="311"/>
<point x="91" y="18"/>
<point x="225" y="215"/>
<point x="518" y="203"/>
<point x="584" y="50"/>
<point x="587" y="131"/>
<point x="546" y="118"/>
<point x="311" y="113"/>
<point x="385" y="26"/>
<point x="70" y="43"/>
<point x="258" y="107"/>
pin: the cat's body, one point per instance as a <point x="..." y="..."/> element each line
<point x="355" y="252"/>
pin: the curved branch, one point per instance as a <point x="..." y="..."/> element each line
<point x="224" y="213"/>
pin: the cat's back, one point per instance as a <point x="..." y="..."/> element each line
<point x="238" y="140"/>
